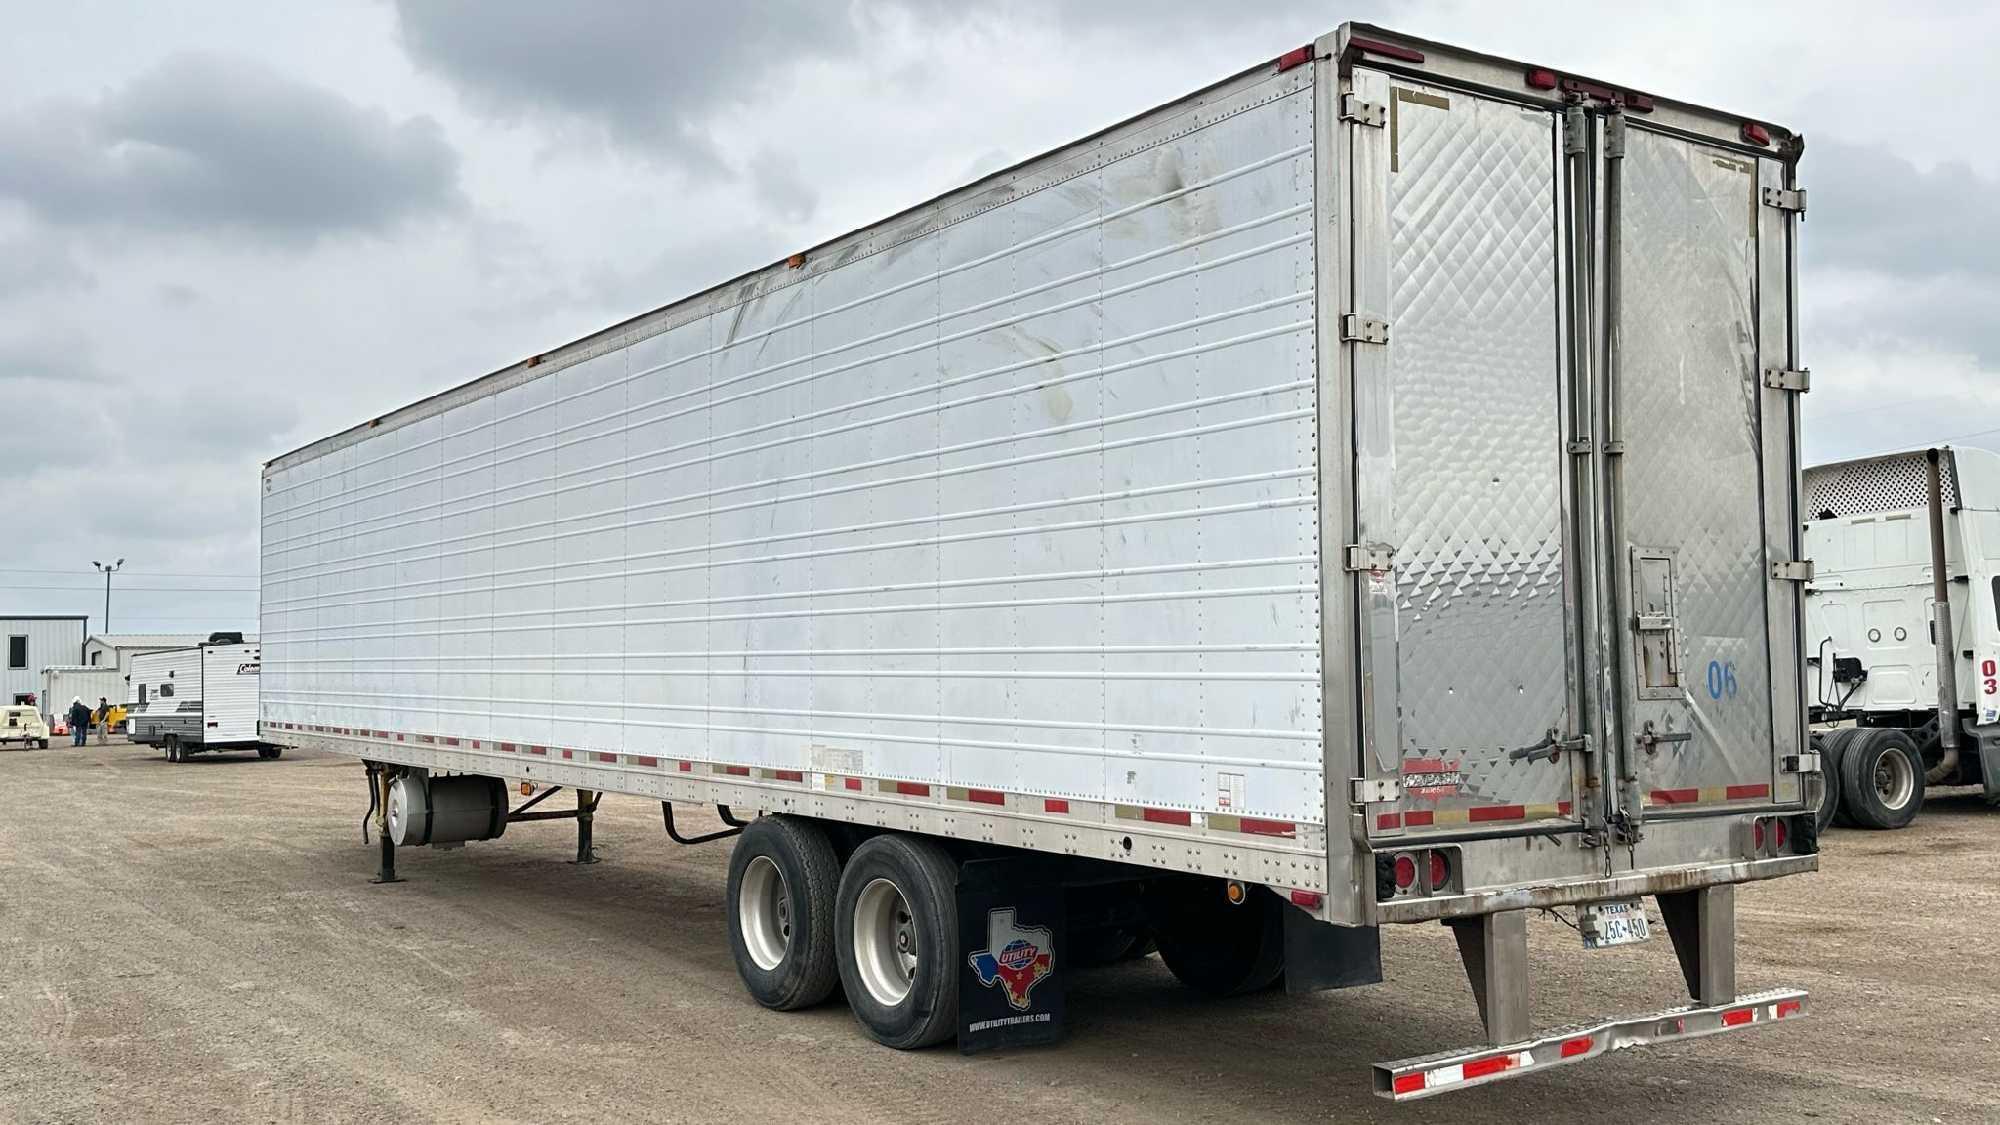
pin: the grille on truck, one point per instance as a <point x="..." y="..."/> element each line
<point x="1879" y="484"/>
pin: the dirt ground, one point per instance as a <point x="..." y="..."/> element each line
<point x="201" y="943"/>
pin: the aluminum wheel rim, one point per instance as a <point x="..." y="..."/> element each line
<point x="885" y="942"/>
<point x="1895" y="781"/>
<point x="765" y="909"/>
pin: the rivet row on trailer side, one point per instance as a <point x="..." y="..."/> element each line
<point x="1362" y="491"/>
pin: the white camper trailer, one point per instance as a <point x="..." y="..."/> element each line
<point x="190" y="700"/>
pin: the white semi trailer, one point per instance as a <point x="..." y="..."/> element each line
<point x="1363" y="491"/>
<point x="1892" y="538"/>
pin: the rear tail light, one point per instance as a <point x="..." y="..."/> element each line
<point x="1779" y="826"/>
<point x="1757" y="835"/>
<point x="1756" y="134"/>
<point x="1434" y="868"/>
<point x="1440" y="871"/>
<point x="1406" y="872"/>
<point x="1540" y="79"/>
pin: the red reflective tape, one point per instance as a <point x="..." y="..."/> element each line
<point x="1055" y="806"/>
<point x="569" y="754"/>
<point x="1747" y="792"/>
<point x="1496" y="812"/>
<point x="1739" y="1017"/>
<point x="1574" y="1047"/>
<point x="1564" y="807"/>
<point x="1167" y="816"/>
<point x="1418" y="819"/>
<point x="986" y="796"/>
<point x="381" y="734"/>
<point x="451" y="742"/>
<point x="603" y="757"/>
<point x="1386" y="50"/>
<point x="1484" y="1067"/>
<point x="737" y="771"/>
<point x="1388" y="821"/>
<point x="507" y="747"/>
<point x="1677" y="796"/>
<point x="399" y="737"/>
<point x="1788" y="1008"/>
<point x="1252" y="827"/>
<point x="647" y="761"/>
<point x="687" y="766"/>
<point x="538" y="750"/>
<point x="913" y="789"/>
<point x="789" y="775"/>
<point x="852" y="782"/>
<point x="475" y="744"/>
<point x="427" y="739"/>
<point x="1409" y="1083"/>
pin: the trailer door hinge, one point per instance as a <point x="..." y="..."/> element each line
<point x="1800" y="571"/>
<point x="1360" y="558"/>
<point x="1382" y="791"/>
<point x="1807" y="762"/>
<point x="1355" y="108"/>
<point x="1364" y="329"/>
<point x="1786" y="199"/>
<point x="1780" y="379"/>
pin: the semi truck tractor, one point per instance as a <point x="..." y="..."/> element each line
<point x="1903" y="696"/>
<point x="1360" y="493"/>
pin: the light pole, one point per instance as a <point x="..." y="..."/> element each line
<point x="108" y="572"/>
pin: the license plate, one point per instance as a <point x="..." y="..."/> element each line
<point x="1605" y="924"/>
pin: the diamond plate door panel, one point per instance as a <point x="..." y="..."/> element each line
<point x="1461" y="468"/>
<point x="1694" y="481"/>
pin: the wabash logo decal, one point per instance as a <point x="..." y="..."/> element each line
<point x="1016" y="957"/>
<point x="1432" y="778"/>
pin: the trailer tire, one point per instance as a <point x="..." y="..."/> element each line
<point x="783" y="878"/>
<point x="269" y="752"/>
<point x="1831" y="745"/>
<point x="1882" y="779"/>
<point x="897" y="933"/>
<point x="1217" y="947"/>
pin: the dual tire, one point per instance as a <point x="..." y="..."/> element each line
<point x="884" y="927"/>
<point x="1881" y="771"/>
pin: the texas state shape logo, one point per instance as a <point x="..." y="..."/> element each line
<point x="1016" y="957"/>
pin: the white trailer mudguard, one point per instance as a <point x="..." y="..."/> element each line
<point x="1373" y="476"/>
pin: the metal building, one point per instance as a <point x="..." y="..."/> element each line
<point x="33" y="643"/>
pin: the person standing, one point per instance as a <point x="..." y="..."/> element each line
<point x="103" y="719"/>
<point x="79" y="721"/>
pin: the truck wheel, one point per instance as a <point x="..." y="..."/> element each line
<point x="1217" y="947"/>
<point x="1882" y="778"/>
<point x="897" y="933"/>
<point x="783" y="876"/>
<point x="1831" y="745"/>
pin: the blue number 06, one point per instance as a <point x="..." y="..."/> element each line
<point x="1721" y="679"/>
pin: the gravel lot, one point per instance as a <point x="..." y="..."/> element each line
<point x="201" y="943"/>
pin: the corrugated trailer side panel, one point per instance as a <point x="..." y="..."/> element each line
<point x="1017" y="491"/>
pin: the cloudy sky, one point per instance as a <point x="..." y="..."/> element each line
<point x="229" y="228"/>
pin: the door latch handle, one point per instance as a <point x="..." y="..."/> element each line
<point x="1551" y="745"/>
<point x="1649" y="739"/>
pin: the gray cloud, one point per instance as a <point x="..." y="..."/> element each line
<point x="1874" y="209"/>
<point x="647" y="72"/>
<point x="208" y="141"/>
<point x="34" y="262"/>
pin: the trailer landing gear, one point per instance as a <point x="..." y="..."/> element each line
<point x="378" y="799"/>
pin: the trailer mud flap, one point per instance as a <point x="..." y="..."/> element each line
<point x="1012" y="935"/>
<point x="1320" y="956"/>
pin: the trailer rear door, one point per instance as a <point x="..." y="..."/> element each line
<point x="1456" y="357"/>
<point x="1702" y="333"/>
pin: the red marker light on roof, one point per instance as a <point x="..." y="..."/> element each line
<point x="1756" y="134"/>
<point x="1293" y="58"/>
<point x="1542" y="79"/>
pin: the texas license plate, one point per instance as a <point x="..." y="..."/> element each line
<point x="1605" y="924"/>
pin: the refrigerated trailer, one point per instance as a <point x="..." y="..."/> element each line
<point x="1361" y="492"/>
<point x="1892" y="538"/>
